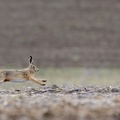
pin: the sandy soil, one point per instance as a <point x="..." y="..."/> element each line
<point x="61" y="103"/>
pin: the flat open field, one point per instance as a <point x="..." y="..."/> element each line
<point x="70" y="94"/>
<point x="61" y="103"/>
<point x="72" y="76"/>
<point x="60" y="33"/>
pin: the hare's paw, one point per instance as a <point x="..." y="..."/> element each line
<point x="44" y="80"/>
<point x="43" y="84"/>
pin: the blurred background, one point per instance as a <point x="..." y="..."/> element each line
<point x="73" y="42"/>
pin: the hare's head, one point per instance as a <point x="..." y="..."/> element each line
<point x="32" y="67"/>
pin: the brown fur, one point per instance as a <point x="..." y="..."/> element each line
<point x="26" y="74"/>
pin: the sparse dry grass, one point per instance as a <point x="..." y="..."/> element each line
<point x="81" y="76"/>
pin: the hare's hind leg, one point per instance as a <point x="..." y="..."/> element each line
<point x="42" y="82"/>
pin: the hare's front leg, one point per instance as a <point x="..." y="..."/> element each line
<point x="42" y="82"/>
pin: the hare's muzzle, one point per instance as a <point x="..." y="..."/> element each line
<point x="37" y="70"/>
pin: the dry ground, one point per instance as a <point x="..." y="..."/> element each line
<point x="61" y="103"/>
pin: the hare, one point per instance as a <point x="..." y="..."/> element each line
<point x="21" y="75"/>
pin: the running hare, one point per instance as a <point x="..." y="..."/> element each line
<point x="21" y="75"/>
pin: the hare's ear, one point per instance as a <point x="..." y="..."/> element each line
<point x="31" y="60"/>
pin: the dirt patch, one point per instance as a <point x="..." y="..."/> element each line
<point x="61" y="103"/>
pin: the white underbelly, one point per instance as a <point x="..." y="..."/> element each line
<point x="18" y="80"/>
